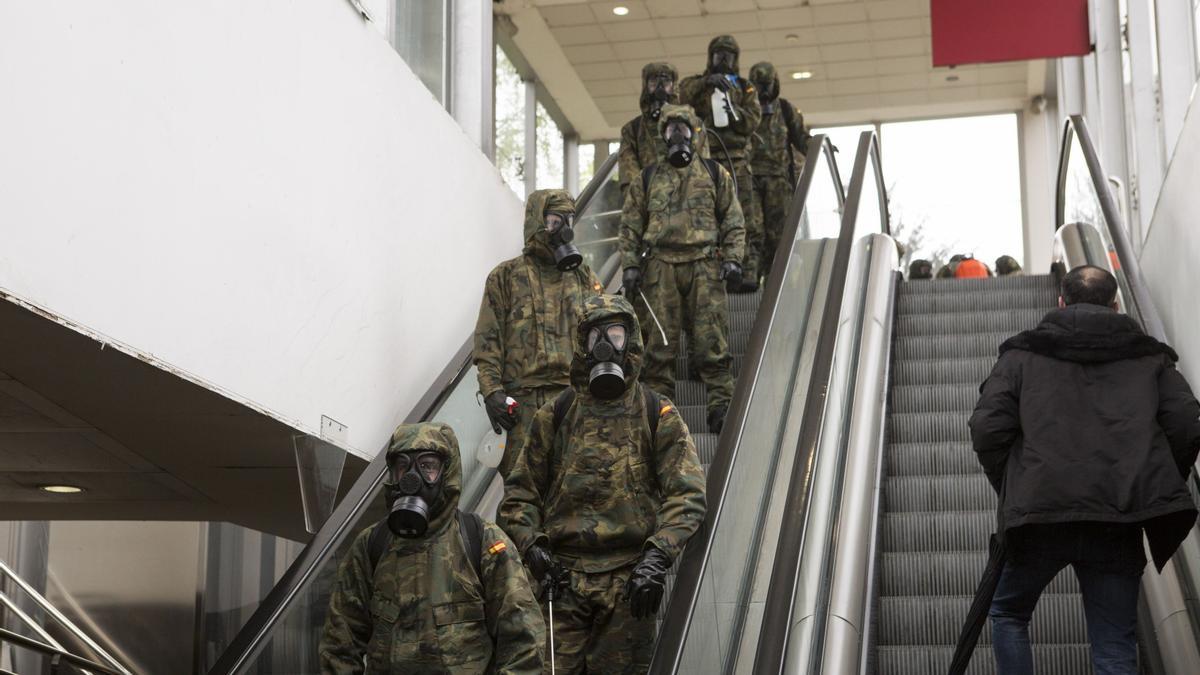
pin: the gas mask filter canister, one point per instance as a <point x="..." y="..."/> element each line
<point x="416" y="481"/>
<point x="606" y="352"/>
<point x="566" y="255"/>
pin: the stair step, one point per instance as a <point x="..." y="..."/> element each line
<point x="929" y="427"/>
<point x="1061" y="659"/>
<point x="683" y="372"/>
<point x="706" y="446"/>
<point x="972" y="370"/>
<point x="928" y="531"/>
<point x="938" y="493"/>
<point x="970" y="345"/>
<point x="918" y="398"/>
<point x="931" y="459"/>
<point x="958" y="323"/>
<point x="927" y="573"/>
<point x="922" y="620"/>
<point x="1005" y="299"/>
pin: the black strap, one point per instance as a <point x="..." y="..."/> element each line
<point x="470" y="529"/>
<point x="714" y="172"/>
<point x="789" y="120"/>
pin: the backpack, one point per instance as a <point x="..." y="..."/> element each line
<point x="470" y="529"/>
<point x="789" y="120"/>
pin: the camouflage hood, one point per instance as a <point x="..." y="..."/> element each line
<point x="654" y="70"/>
<point x="440" y="438"/>
<point x="764" y="77"/>
<point x="598" y="309"/>
<point x="537" y="242"/>
<point x="685" y="113"/>
<point x="724" y="42"/>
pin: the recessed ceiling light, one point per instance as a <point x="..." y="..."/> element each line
<point x="791" y="37"/>
<point x="801" y="75"/>
<point x="620" y="10"/>
<point x="61" y="489"/>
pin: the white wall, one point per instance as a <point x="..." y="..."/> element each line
<point x="1171" y="252"/>
<point x="259" y="194"/>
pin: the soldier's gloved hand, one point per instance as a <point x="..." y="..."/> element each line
<point x="631" y="281"/>
<point x="731" y="272"/>
<point x="719" y="81"/>
<point x="546" y="570"/>
<point x="647" y="583"/>
<point x="497" y="411"/>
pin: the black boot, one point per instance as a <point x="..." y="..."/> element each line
<point x="716" y="420"/>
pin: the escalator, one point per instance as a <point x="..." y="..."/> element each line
<point x="768" y="341"/>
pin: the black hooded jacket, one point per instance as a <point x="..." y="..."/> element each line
<point x="1085" y="418"/>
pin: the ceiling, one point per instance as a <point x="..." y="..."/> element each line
<point x="870" y="59"/>
<point x="144" y="443"/>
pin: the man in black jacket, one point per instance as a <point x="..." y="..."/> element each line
<point x="1086" y="430"/>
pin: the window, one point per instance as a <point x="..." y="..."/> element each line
<point x="845" y="139"/>
<point x="549" y="152"/>
<point x="419" y="30"/>
<point x="510" y="123"/>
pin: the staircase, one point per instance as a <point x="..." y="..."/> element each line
<point x="938" y="506"/>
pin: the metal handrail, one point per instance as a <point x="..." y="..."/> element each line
<point x="254" y="635"/>
<point x="77" y="661"/>
<point x="777" y="613"/>
<point x="53" y="613"/>
<point x="668" y="652"/>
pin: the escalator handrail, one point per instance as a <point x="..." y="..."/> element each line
<point x="771" y="651"/>
<point x="668" y="652"/>
<point x="252" y="637"/>
<point x="74" y="660"/>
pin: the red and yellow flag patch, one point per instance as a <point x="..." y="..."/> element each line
<point x="667" y="407"/>
<point x="497" y="547"/>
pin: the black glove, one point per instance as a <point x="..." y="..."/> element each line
<point x="546" y="570"/>
<point x="719" y="81"/>
<point x="631" y="281"/>
<point x="647" y="583"/>
<point x="716" y="420"/>
<point x="731" y="272"/>
<point x="497" y="411"/>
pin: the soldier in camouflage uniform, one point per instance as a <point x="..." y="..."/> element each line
<point x="641" y="145"/>
<point x="418" y="605"/>
<point x="780" y="135"/>
<point x="603" y="498"/>
<point x="527" y="323"/>
<point x="734" y="139"/>
<point x="681" y="234"/>
<point x="1006" y="266"/>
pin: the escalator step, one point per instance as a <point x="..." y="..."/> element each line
<point x="930" y="620"/>
<point x="926" y="303"/>
<point x="929" y="427"/>
<point x="938" y="493"/>
<point x="971" y="345"/>
<point x="942" y="371"/>
<point x="694" y="416"/>
<point x="706" y="447"/>
<point x="1038" y="281"/>
<point x="681" y="368"/>
<point x="926" y="531"/>
<point x="740" y="302"/>
<point x="1062" y="659"/>
<point x="689" y="392"/>
<point x="931" y="459"/>
<point x="946" y="573"/>
<point x="958" y="323"/>
<point x="934" y="398"/>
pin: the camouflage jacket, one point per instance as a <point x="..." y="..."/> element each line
<point x="424" y="610"/>
<point x="528" y="314"/>
<point x="774" y="143"/>
<point x="683" y="216"/>
<point x="641" y="146"/>
<point x="599" y="489"/>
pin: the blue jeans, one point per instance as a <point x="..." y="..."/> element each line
<point x="1108" y="560"/>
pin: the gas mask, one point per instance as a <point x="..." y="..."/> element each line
<point x="605" y="354"/>
<point x="722" y="61"/>
<point x="414" y="483"/>
<point x="566" y="256"/>
<point x="678" y="135"/>
<point x="660" y="88"/>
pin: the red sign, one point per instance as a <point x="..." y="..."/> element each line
<point x="982" y="31"/>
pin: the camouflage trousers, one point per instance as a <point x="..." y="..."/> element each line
<point x="751" y="265"/>
<point x="528" y="403"/>
<point x="689" y="297"/>
<point x="774" y="195"/>
<point x="594" y="631"/>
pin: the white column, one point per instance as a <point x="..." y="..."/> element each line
<point x="1039" y="163"/>
<point x="1176" y="67"/>
<point x="1147" y="164"/>
<point x="530" y="137"/>
<point x="1106" y="118"/>
<point x="472" y="66"/>
<point x="571" y="164"/>
<point x="601" y="153"/>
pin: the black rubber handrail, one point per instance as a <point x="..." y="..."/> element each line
<point x="776" y="624"/>
<point x="668" y="652"/>
<point x="256" y="632"/>
<point x="38" y="646"/>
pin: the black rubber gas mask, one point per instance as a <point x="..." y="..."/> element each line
<point x="414" y="483"/>
<point x="606" y="344"/>
<point x="722" y="61"/>
<point x="558" y="225"/>
<point x="660" y="88"/>
<point x="680" y="151"/>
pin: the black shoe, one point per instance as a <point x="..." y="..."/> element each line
<point x="716" y="420"/>
<point x="749" y="285"/>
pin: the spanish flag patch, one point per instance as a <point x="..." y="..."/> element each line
<point x="667" y="407"/>
<point x="597" y="286"/>
<point x="497" y="547"/>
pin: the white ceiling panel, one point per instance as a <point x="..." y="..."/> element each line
<point x="621" y="87"/>
<point x="780" y="18"/>
<point x="1010" y="90"/>
<point x="567" y="15"/>
<point x="600" y="71"/>
<point x="779" y="38"/>
<point x="842" y="13"/>
<point x="662" y="8"/>
<point x="589" y="53"/>
<point x="856" y="101"/>
<point x="898" y="28"/>
<point x="749" y="58"/>
<point x="799" y="92"/>
<point x="748" y="41"/>
<point x="649" y="50"/>
<point x="678" y="46"/>
<point x="908" y="64"/>
<point x="896" y="9"/>
<point x="941" y="77"/>
<point x="578" y="35"/>
<point x="612" y="103"/>
<point x="891" y="83"/>
<point x="630" y="30"/>
<point x="775" y="4"/>
<point x="828" y="2"/>
<point x="886" y="49"/>
<point x="1003" y="75"/>
<point x="899" y="98"/>
<point x="682" y="26"/>
<point x="796" y="56"/>
<point x="725" y="6"/>
<point x="726" y="24"/>
<point x="854" y="85"/>
<point x="848" y="32"/>
<point x="603" y="11"/>
<point x="849" y="69"/>
<point x="849" y="51"/>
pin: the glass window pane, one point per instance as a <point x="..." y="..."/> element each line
<point x="587" y="163"/>
<point x="845" y="139"/>
<point x="417" y="30"/>
<point x="510" y="124"/>
<point x="550" y="151"/>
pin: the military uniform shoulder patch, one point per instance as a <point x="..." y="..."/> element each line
<point x="597" y="287"/>
<point x="666" y="408"/>
<point x="497" y="547"/>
